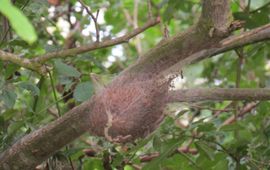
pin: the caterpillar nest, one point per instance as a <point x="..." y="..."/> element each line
<point x="128" y="108"/>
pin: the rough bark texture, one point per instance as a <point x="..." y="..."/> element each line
<point x="37" y="146"/>
<point x="218" y="94"/>
<point x="131" y="106"/>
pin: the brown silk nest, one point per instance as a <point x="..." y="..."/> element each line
<point x="128" y="108"/>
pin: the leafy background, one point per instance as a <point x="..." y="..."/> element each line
<point x="193" y="135"/>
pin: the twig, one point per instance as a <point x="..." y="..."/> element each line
<point x="226" y="108"/>
<point x="240" y="60"/>
<point x="135" y="13"/>
<point x="94" y="18"/>
<point x="240" y="54"/>
<point x="151" y="156"/>
<point x="128" y="17"/>
<point x="94" y="46"/>
<point x="149" y="6"/>
<point x="138" y="43"/>
<point x="245" y="110"/>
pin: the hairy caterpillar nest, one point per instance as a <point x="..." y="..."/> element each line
<point x="128" y="108"/>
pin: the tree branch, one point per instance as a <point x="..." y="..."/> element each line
<point x="94" y="18"/>
<point x="24" y="62"/>
<point x="95" y="46"/>
<point x="218" y="15"/>
<point x="219" y="94"/>
<point x="35" y="63"/>
<point x="256" y="35"/>
<point x="242" y="112"/>
<point x="40" y="144"/>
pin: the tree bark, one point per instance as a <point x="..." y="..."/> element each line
<point x="219" y="94"/>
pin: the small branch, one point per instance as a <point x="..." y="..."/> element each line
<point x="135" y="25"/>
<point x="23" y="62"/>
<point x="240" y="61"/>
<point x="258" y="34"/>
<point x="242" y="112"/>
<point x="219" y="94"/>
<point x="94" y="46"/>
<point x="149" y="7"/>
<point x="216" y="113"/>
<point x="128" y="17"/>
<point x="94" y="18"/>
<point x="135" y="13"/>
<point x="151" y="156"/>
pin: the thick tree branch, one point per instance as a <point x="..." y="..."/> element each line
<point x="219" y="94"/>
<point x="39" y="145"/>
<point x="217" y="14"/>
<point x="95" y="46"/>
<point x="256" y="35"/>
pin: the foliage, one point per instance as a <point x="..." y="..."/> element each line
<point x="193" y="136"/>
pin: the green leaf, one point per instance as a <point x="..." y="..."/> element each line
<point x="9" y="114"/>
<point x="221" y="162"/>
<point x="66" y="70"/>
<point x="15" y="127"/>
<point x="9" y="98"/>
<point x="73" y="153"/>
<point x="18" y="21"/>
<point x="93" y="164"/>
<point x="232" y="127"/>
<point x="118" y="160"/>
<point x="168" y="147"/>
<point x="83" y="91"/>
<point x="177" y="162"/>
<point x="206" y="127"/>
<point x="30" y="87"/>
<point x="128" y="167"/>
<point x="244" y="136"/>
<point x="157" y="143"/>
<point x="205" y="150"/>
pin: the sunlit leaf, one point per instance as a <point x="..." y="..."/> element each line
<point x="93" y="164"/>
<point x="18" y="21"/>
